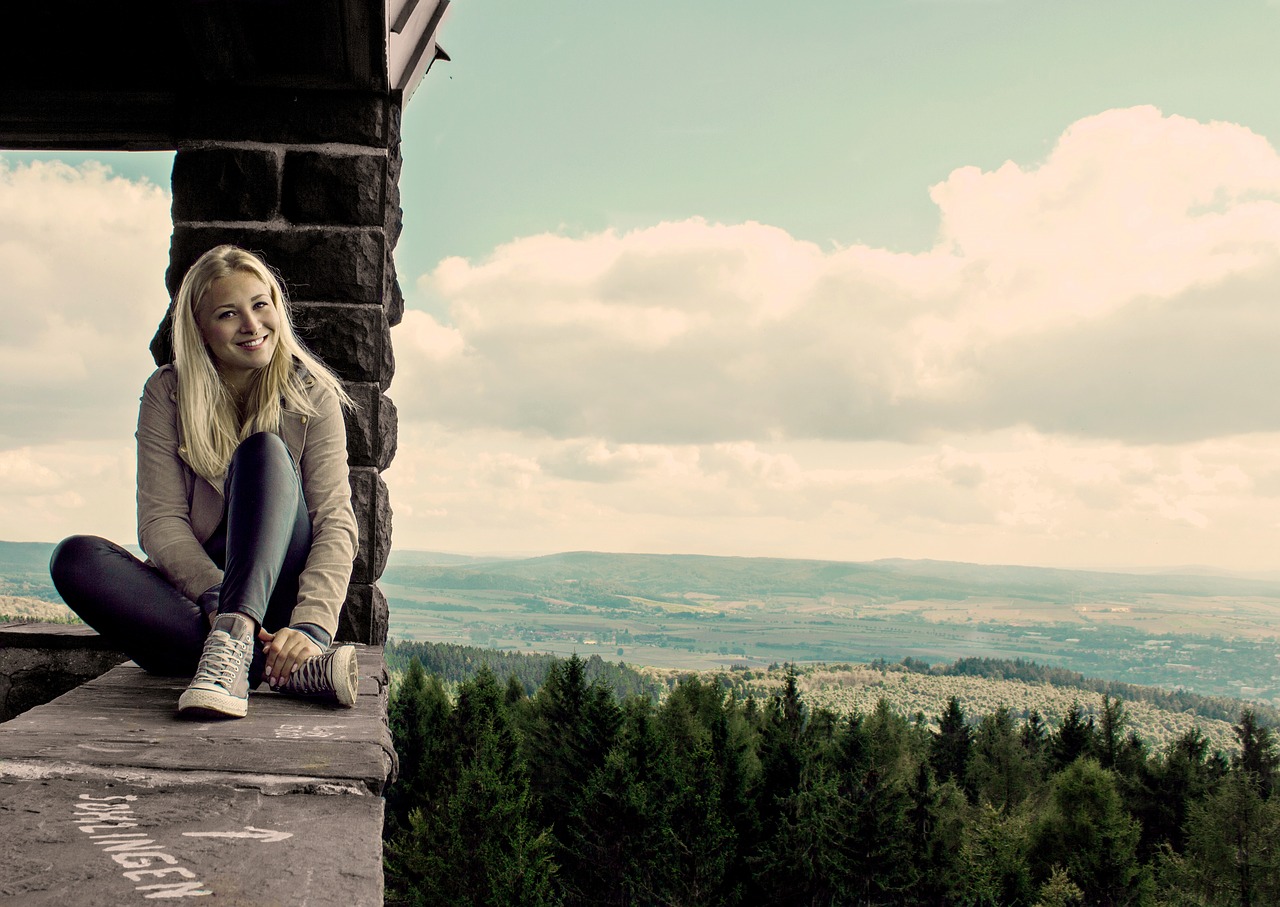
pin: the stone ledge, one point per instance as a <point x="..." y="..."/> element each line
<point x="105" y="791"/>
<point x="19" y="635"/>
<point x="41" y="661"/>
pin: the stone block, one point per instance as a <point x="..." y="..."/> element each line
<point x="225" y="184"/>
<point x="320" y="187"/>
<point x="318" y="264"/>
<point x="393" y="299"/>
<point x="371" y="427"/>
<point x="39" y="662"/>
<point x="353" y="340"/>
<point x="372" y="505"/>
<point x="290" y="117"/>
<point x="365" y="615"/>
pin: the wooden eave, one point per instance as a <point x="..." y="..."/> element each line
<point x="97" y="75"/>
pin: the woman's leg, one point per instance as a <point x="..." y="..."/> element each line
<point x="268" y="532"/>
<point x="132" y="605"/>
<point x="267" y="539"/>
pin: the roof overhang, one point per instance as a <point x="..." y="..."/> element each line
<point x="88" y="74"/>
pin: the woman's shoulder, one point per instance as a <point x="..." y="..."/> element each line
<point x="163" y="381"/>
<point x="320" y="395"/>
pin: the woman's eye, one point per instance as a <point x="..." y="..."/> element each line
<point x="226" y="314"/>
<point x="261" y="303"/>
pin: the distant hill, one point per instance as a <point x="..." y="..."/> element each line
<point x="24" y="571"/>
<point x="25" y="557"/>
<point x="1213" y="634"/>
<point x="885" y="580"/>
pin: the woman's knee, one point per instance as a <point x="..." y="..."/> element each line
<point x="74" y="555"/>
<point x="261" y="446"/>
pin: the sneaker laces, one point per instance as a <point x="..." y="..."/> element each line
<point x="221" y="659"/>
<point x="311" y="678"/>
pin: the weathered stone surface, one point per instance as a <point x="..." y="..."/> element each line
<point x="365" y="614"/>
<point x="100" y="843"/>
<point x="354" y="341"/>
<point x="320" y="187"/>
<point x="319" y="264"/>
<point x="105" y="791"/>
<point x="39" y="662"/>
<point x="371" y="427"/>
<point x="33" y="676"/>
<point x="128" y="718"/>
<point x="293" y="117"/>
<point x="393" y="303"/>
<point x="225" y="184"/>
<point x="371" y="503"/>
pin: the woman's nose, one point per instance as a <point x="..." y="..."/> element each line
<point x="250" y="323"/>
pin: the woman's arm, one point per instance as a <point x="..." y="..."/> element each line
<point x="164" y="489"/>
<point x="326" y="484"/>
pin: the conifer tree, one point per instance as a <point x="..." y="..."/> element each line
<point x="1259" y="758"/>
<point x="1110" y="733"/>
<point x="474" y="841"/>
<point x="1087" y="832"/>
<point x="994" y="856"/>
<point x="418" y="715"/>
<point x="568" y="730"/>
<point x="1233" y="845"/>
<point x="1182" y="777"/>
<point x="1074" y="738"/>
<point x="949" y="750"/>
<point x="1000" y="770"/>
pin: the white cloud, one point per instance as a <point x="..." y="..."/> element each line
<point x="52" y="490"/>
<point x="1079" y="372"/>
<point x="1014" y="496"/>
<point x="1123" y="288"/>
<point x="83" y="254"/>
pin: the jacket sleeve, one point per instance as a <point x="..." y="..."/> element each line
<point x="164" y="493"/>
<point x="326" y="484"/>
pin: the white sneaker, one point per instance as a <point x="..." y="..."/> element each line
<point x="220" y="688"/>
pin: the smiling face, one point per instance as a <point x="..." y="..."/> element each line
<point x="238" y="323"/>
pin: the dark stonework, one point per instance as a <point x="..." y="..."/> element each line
<point x="316" y="194"/>
<point x="39" y="662"/>
<point x="291" y="117"/>
<point x="371" y="427"/>
<point x="323" y="188"/>
<point x="354" y="341"/>
<point x="225" y="184"/>
<point x="393" y="299"/>
<point x="319" y="264"/>
<point x="372" y="505"/>
<point x="365" y="615"/>
<point x="393" y="304"/>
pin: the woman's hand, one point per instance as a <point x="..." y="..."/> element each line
<point x="285" y="650"/>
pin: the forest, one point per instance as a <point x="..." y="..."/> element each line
<point x="576" y="795"/>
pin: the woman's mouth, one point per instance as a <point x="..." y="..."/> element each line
<point x="254" y="344"/>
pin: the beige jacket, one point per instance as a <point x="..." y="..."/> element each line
<point x="179" y="510"/>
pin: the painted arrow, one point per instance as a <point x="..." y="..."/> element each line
<point x="266" y="835"/>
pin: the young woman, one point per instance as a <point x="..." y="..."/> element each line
<point x="244" y="506"/>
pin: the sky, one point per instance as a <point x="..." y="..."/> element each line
<point x="978" y="280"/>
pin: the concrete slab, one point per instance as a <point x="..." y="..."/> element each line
<point x="95" y="842"/>
<point x="107" y="797"/>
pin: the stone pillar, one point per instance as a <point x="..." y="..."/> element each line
<point x="310" y="181"/>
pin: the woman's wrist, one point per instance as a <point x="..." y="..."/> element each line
<point x="315" y="633"/>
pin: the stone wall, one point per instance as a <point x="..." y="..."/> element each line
<point x="40" y="662"/>
<point x="311" y="182"/>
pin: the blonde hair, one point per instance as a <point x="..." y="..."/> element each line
<point x="210" y="419"/>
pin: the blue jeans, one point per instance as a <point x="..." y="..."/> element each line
<point x="261" y="546"/>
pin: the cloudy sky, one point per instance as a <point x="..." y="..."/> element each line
<point x="983" y="280"/>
